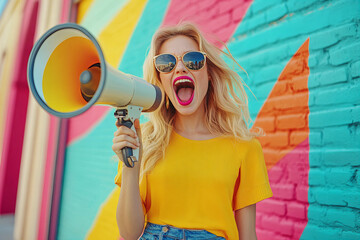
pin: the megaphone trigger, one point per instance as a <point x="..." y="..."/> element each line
<point x="125" y="117"/>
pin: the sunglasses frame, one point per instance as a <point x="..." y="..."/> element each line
<point x="178" y="58"/>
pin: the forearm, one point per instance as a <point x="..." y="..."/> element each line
<point x="246" y="222"/>
<point x="129" y="213"/>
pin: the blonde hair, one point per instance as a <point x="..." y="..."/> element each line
<point x="226" y="105"/>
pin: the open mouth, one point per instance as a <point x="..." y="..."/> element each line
<point x="184" y="90"/>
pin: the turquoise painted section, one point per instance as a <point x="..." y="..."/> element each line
<point x="88" y="179"/>
<point x="101" y="13"/>
<point x="137" y="49"/>
<point x="334" y="122"/>
<point x="269" y="35"/>
<point x="263" y="43"/>
<point x="89" y="172"/>
<point x="89" y="168"/>
<point x="269" y="44"/>
<point x="135" y="53"/>
<point x="2" y="6"/>
<point x="254" y="53"/>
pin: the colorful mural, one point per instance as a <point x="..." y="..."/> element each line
<point x="273" y="42"/>
<point x="302" y="62"/>
<point x="2" y="5"/>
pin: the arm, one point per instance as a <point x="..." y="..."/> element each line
<point x="129" y="213"/>
<point x="245" y="220"/>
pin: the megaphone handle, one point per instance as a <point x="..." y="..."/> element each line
<point x="127" y="152"/>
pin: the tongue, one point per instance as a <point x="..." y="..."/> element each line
<point x="184" y="94"/>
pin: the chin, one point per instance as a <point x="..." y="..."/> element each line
<point x="187" y="110"/>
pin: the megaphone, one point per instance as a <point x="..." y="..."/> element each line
<point x="67" y="74"/>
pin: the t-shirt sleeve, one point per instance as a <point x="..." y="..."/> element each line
<point x="252" y="184"/>
<point x="142" y="184"/>
<point x="119" y="174"/>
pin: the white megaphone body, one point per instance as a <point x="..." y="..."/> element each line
<point x="67" y="74"/>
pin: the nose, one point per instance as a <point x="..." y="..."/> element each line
<point x="180" y="67"/>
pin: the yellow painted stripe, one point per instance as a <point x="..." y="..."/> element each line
<point x="115" y="37"/>
<point x="113" y="40"/>
<point x="105" y="226"/>
<point x="83" y="8"/>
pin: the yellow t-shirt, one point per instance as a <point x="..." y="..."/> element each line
<point x="200" y="183"/>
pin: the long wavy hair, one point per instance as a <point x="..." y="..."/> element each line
<point x="226" y="105"/>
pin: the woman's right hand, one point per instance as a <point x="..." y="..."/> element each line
<point x="129" y="212"/>
<point x="126" y="137"/>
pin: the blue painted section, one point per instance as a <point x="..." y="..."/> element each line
<point x="264" y="42"/>
<point x="101" y="13"/>
<point x="89" y="173"/>
<point x="263" y="66"/>
<point x="135" y="53"/>
<point x="334" y="112"/>
<point x="264" y="49"/>
<point x="2" y="6"/>
<point x="90" y="169"/>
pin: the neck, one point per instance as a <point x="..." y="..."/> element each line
<point x="192" y="126"/>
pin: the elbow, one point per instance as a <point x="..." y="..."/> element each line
<point x="130" y="231"/>
<point x="130" y="236"/>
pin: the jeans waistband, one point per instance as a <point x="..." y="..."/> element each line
<point x="177" y="233"/>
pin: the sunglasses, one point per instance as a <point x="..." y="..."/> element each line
<point x="167" y="62"/>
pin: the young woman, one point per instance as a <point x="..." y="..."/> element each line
<point x="201" y="171"/>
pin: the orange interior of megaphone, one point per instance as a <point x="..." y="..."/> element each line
<point x="61" y="80"/>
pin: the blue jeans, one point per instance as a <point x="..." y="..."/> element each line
<point x="165" y="232"/>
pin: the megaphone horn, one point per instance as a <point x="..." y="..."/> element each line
<point x="67" y="74"/>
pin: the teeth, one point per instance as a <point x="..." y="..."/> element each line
<point x="182" y="81"/>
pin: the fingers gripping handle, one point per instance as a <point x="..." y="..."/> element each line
<point x="126" y="117"/>
<point x="127" y="153"/>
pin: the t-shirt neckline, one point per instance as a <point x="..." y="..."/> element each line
<point x="193" y="140"/>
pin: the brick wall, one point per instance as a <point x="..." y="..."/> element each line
<point x="303" y="64"/>
<point x="311" y="118"/>
<point x="264" y="42"/>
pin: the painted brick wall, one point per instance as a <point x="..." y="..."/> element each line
<point x="303" y="65"/>
<point x="263" y="43"/>
<point x="327" y="205"/>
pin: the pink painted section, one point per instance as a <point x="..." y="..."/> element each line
<point x="16" y="113"/>
<point x="51" y="156"/>
<point x="286" y="211"/>
<point x="82" y="124"/>
<point x="65" y="11"/>
<point x="69" y="11"/>
<point x="217" y="19"/>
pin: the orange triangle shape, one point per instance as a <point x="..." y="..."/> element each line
<point x="284" y="115"/>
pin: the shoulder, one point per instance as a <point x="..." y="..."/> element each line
<point x="248" y="150"/>
<point x="248" y="145"/>
<point x="241" y="149"/>
<point x="254" y="145"/>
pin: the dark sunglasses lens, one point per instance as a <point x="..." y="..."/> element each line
<point x="194" y="60"/>
<point x="165" y="63"/>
